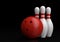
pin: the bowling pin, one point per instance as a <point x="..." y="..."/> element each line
<point x="44" y="22"/>
<point x="49" y="22"/>
<point x="36" y="10"/>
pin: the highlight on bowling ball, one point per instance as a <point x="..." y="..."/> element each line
<point x="31" y="27"/>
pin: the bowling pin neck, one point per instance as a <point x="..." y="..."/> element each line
<point x="42" y="15"/>
<point x="48" y="12"/>
<point x="37" y="15"/>
<point x="48" y="16"/>
<point x="36" y="10"/>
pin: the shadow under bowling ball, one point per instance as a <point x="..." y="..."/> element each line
<point x="30" y="41"/>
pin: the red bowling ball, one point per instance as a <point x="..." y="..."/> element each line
<point x="31" y="27"/>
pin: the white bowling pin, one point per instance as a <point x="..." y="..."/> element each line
<point x="36" y="10"/>
<point x="44" y="22"/>
<point x="49" y="22"/>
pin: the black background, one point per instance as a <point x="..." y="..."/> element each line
<point x="14" y="12"/>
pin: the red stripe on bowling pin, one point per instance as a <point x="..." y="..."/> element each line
<point x="42" y="15"/>
<point x="48" y="16"/>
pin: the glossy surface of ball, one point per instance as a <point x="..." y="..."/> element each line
<point x="31" y="27"/>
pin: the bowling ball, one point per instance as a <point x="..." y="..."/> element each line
<point x="31" y="27"/>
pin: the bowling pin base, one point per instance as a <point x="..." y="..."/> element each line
<point x="49" y="36"/>
<point x="45" y="28"/>
<point x="50" y="28"/>
<point x="43" y="36"/>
